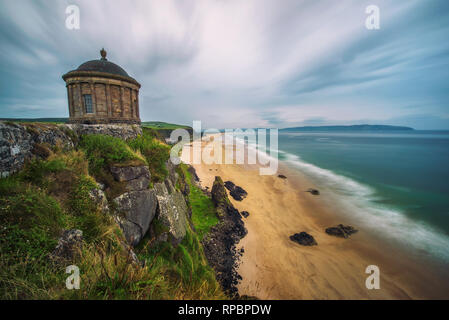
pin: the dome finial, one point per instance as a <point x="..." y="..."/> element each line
<point x="103" y="54"/>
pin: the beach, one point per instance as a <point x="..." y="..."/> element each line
<point x="274" y="267"/>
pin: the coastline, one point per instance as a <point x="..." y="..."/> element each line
<point x="274" y="267"/>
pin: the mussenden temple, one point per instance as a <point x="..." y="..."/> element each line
<point x="100" y="91"/>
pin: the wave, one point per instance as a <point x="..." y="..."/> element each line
<point x="359" y="201"/>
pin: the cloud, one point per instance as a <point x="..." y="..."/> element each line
<point x="237" y="63"/>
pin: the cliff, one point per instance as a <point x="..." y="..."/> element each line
<point x="104" y="198"/>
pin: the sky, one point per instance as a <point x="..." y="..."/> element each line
<point x="238" y="63"/>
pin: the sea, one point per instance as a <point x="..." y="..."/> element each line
<point x="395" y="184"/>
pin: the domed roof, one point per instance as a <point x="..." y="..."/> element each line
<point x="102" y="65"/>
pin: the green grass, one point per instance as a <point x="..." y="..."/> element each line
<point x="51" y="195"/>
<point x="155" y="152"/>
<point x="204" y="214"/>
<point x="103" y="151"/>
<point x="163" y="125"/>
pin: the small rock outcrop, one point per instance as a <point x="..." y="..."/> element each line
<point x="282" y="176"/>
<point x="220" y="244"/>
<point x="238" y="193"/>
<point x="245" y="214"/>
<point x="172" y="212"/>
<point x="341" y="231"/>
<point x="304" y="239"/>
<point x="315" y="192"/>
<point x="136" y="177"/>
<point x="136" y="208"/>
<point x="20" y="142"/>
<point x="68" y="246"/>
<point x="99" y="197"/>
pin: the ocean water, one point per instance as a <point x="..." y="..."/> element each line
<point x="394" y="183"/>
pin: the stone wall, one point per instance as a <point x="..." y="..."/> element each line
<point x="19" y="142"/>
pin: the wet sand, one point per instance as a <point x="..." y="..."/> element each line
<point x="274" y="267"/>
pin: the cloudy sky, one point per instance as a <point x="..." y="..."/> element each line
<point x="238" y="63"/>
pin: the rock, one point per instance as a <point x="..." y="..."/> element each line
<point x="282" y="176"/>
<point x="341" y="231"/>
<point x="245" y="214"/>
<point x="68" y="247"/>
<point x="303" y="239"/>
<point x="122" y="131"/>
<point x="136" y="210"/>
<point x="19" y="143"/>
<point x="315" y="192"/>
<point x="136" y="177"/>
<point x="235" y="191"/>
<point x="129" y="173"/>
<point x="220" y="243"/>
<point x="193" y="173"/>
<point x="99" y="197"/>
<point x="172" y="212"/>
<point x="238" y="193"/>
<point x="229" y="185"/>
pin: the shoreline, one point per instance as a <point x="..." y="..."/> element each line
<point x="274" y="267"/>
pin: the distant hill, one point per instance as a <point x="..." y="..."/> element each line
<point x="163" y="125"/>
<point x="361" y="127"/>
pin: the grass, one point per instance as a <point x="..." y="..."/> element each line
<point x="155" y="152"/>
<point x="163" y="125"/>
<point x="204" y="214"/>
<point x="51" y="195"/>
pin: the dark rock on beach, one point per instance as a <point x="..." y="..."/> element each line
<point x="304" y="239"/>
<point x="282" y="176"/>
<point x="341" y="231"/>
<point x="238" y="193"/>
<point x="220" y="244"/>
<point x="245" y="214"/>
<point x="315" y="192"/>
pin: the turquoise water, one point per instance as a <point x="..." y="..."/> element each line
<point x="396" y="183"/>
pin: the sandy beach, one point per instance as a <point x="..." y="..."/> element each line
<point x="274" y="267"/>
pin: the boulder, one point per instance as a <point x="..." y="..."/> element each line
<point x="245" y="214"/>
<point x="136" y="210"/>
<point x="128" y="173"/>
<point x="172" y="212"/>
<point x="341" y="231"/>
<point x="304" y="239"/>
<point x="236" y="192"/>
<point x="99" y="197"/>
<point x="315" y="192"/>
<point x="282" y="176"/>
<point x="68" y="247"/>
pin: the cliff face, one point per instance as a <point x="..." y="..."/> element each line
<point x="135" y="206"/>
<point x="21" y="142"/>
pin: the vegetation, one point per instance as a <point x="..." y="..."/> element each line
<point x="155" y="152"/>
<point x="52" y="194"/>
<point x="204" y="214"/>
<point x="162" y="125"/>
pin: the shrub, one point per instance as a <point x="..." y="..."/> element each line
<point x="156" y="153"/>
<point x="102" y="151"/>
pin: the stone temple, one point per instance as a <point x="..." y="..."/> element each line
<point x="100" y="91"/>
